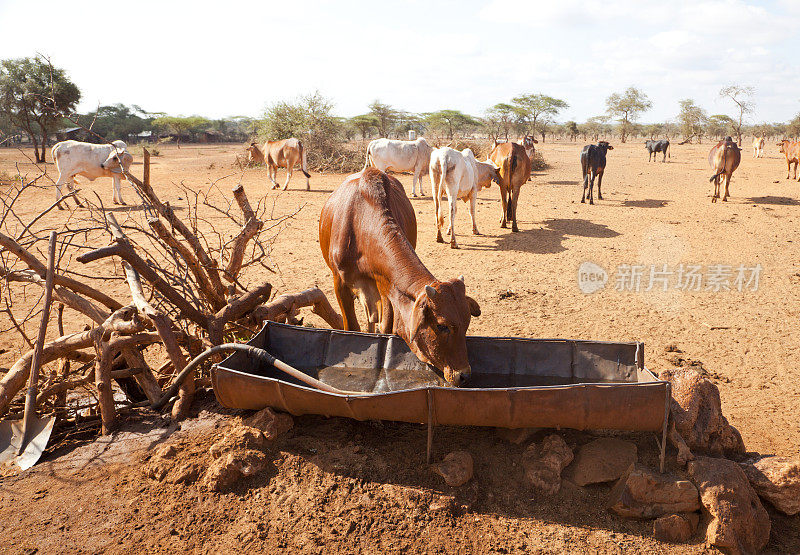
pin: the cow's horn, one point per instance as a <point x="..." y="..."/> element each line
<point x="430" y="291"/>
<point x="461" y="278"/>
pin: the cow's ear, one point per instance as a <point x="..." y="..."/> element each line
<point x="418" y="314"/>
<point x="474" y="307"/>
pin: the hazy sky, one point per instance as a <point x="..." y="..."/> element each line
<point x="226" y="58"/>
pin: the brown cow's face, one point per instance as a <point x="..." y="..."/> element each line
<point x="780" y="147"/>
<point x="605" y="144"/>
<point x="439" y="325"/>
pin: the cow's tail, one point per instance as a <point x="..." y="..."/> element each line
<point x="724" y="162"/>
<point x="366" y="162"/>
<point x="512" y="163"/>
<point x="303" y="159"/>
<point x="440" y="187"/>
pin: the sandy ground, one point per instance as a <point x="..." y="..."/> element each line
<point x="652" y="214"/>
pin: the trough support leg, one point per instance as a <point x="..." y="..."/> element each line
<point x="665" y="427"/>
<point x="430" y="425"/>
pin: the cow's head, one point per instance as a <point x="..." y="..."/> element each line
<point x="605" y="145"/>
<point x="119" y="158"/>
<point x="494" y="172"/>
<point x="781" y="145"/>
<point x="529" y="140"/>
<point x="439" y="322"/>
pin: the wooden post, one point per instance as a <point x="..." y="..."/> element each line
<point x="667" y="403"/>
<point x="36" y="361"/>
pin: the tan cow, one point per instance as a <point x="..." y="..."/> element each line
<point x="791" y="150"/>
<point x="286" y="153"/>
<point x="515" y="168"/>
<point x="758" y="147"/>
<point x="724" y="158"/>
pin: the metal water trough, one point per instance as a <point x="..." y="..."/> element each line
<point x="515" y="382"/>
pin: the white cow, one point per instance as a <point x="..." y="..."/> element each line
<point x="758" y="147"/>
<point x="462" y="177"/>
<point x="91" y="161"/>
<point x="401" y="156"/>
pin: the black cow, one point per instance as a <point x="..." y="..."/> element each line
<point x="657" y="146"/>
<point x="593" y="162"/>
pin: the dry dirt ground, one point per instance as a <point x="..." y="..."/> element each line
<point x="337" y="484"/>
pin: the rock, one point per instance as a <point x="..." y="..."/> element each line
<point x="776" y="479"/>
<point x="161" y="462"/>
<point x="677" y="528"/>
<point x="601" y="460"/>
<point x="643" y="493"/>
<point x="697" y="416"/>
<point x="543" y="463"/>
<point x="516" y="435"/>
<point x="238" y="437"/>
<point x="739" y="521"/>
<point x="231" y="467"/>
<point x="271" y="423"/>
<point x="456" y="468"/>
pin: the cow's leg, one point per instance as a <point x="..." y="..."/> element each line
<point x="665" y="156"/>
<point x="513" y="198"/>
<point x="716" y="189"/>
<point x="59" y="196"/>
<point x="591" y="187"/>
<point x="344" y="296"/>
<point x="289" y="169"/>
<point x="599" y="183"/>
<point x="71" y="188"/>
<point x="473" y="201"/>
<point x="727" y="182"/>
<point x="436" y="186"/>
<point x="504" y="204"/>
<point x="453" y="202"/>
<point x="387" y="316"/>
<point x="272" y="172"/>
<point x="118" y="191"/>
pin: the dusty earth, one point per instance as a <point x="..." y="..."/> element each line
<point x="336" y="484"/>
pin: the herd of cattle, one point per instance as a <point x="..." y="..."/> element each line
<point x="368" y="230"/>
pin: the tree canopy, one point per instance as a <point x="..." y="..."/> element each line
<point x="35" y="97"/>
<point x="627" y="107"/>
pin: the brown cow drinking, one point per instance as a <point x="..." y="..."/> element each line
<point x="367" y="233"/>
<point x="724" y="158"/>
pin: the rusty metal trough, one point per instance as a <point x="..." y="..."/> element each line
<point x="515" y="382"/>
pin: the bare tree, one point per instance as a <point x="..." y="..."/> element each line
<point x="742" y="97"/>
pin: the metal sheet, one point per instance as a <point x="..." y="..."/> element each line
<point x="516" y="382"/>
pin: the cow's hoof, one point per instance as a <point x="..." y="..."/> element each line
<point x="60" y="207"/>
<point x="515" y="229"/>
<point x="591" y="202"/>
<point x="599" y="197"/>
<point x="275" y="186"/>
<point x="476" y="232"/>
<point x="453" y="246"/>
<point x="414" y="195"/>
<point x="503" y="225"/>
<point x="439" y="239"/>
<point x="583" y="201"/>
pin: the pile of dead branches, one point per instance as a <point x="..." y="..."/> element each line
<point x="186" y="292"/>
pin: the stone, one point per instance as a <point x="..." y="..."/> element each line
<point x="601" y="460"/>
<point x="271" y="423"/>
<point x="238" y="437"/>
<point x="516" y="436"/>
<point x="543" y="463"/>
<point x="776" y="479"/>
<point x="644" y="493"/>
<point x="697" y="417"/>
<point x="739" y="521"/>
<point x="229" y="468"/>
<point x="161" y="463"/>
<point x="676" y="528"/>
<point x="456" y="468"/>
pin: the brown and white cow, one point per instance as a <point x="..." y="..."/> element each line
<point x="758" y="147"/>
<point x="791" y="150"/>
<point x="286" y="153"/>
<point x="367" y="233"/>
<point x="723" y="158"/>
<point x="514" y="167"/>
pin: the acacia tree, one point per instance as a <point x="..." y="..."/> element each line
<point x="181" y="125"/>
<point x="450" y="121"/>
<point x="691" y="119"/>
<point x="500" y="118"/>
<point x="35" y="96"/>
<point x="365" y="123"/>
<point x="627" y="107"/>
<point x="385" y="115"/>
<point x="719" y="125"/>
<point x="534" y="110"/>
<point x="742" y="97"/>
